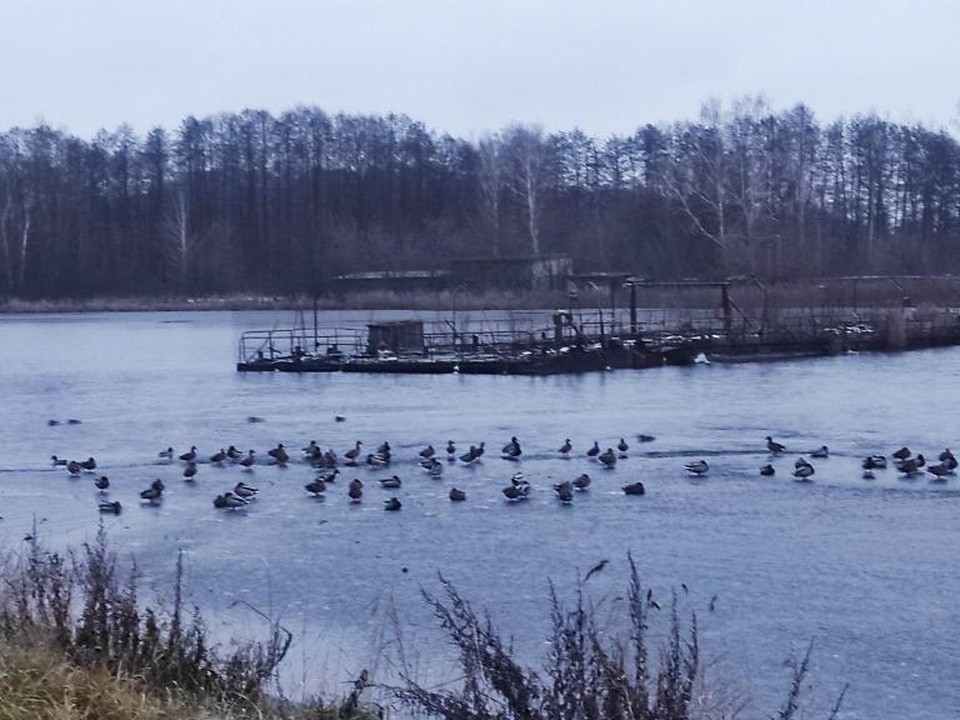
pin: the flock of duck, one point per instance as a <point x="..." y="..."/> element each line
<point x="328" y="464"/>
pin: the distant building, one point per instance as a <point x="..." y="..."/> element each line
<point x="534" y="272"/>
<point x="392" y="280"/>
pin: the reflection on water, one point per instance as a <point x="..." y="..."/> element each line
<point x="865" y="568"/>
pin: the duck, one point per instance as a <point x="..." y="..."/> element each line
<point x="451" y="451"/>
<point x="73" y="467"/>
<point x="392" y="505"/>
<point x="820" y="452"/>
<point x="279" y="453"/>
<point x="512" y="451"/>
<point x="564" y="491"/>
<point x="248" y="460"/>
<point x="316" y="487"/>
<point x="111" y="508"/>
<point x="457" y="495"/>
<point x="774" y="447"/>
<point x="595" y="450"/>
<point x="582" y="482"/>
<point x="871" y="462"/>
<point x="378" y="459"/>
<point x="244" y="491"/>
<point x="392" y="482"/>
<point x="166" y="454"/>
<point x="218" y="457"/>
<point x="58" y="462"/>
<point x="623" y="447"/>
<point x="697" y="467"/>
<point x="233" y="454"/>
<point x="102" y="482"/>
<point x="355" y="490"/>
<point x="89" y="464"/>
<point x="803" y="472"/>
<point x="947" y="458"/>
<point x="868" y="475"/>
<point x="566" y="448"/>
<point x="516" y="492"/>
<point x="481" y="448"/>
<point x="352" y="454"/>
<point x="767" y="470"/>
<point x="427" y="452"/>
<point x="228" y="501"/>
<point x="911" y="466"/>
<point x="645" y="438"/>
<point x="470" y="456"/>
<point x="608" y="458"/>
<point x="940" y="470"/>
<point x="311" y="449"/>
<point x="154" y="492"/>
<point x="383" y="448"/>
<point x="902" y="454"/>
<point x="190" y="471"/>
<point x="328" y="475"/>
<point x="190" y="455"/>
<point x="635" y="488"/>
<point x="435" y="469"/>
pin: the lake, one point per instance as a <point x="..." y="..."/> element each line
<point x="867" y="569"/>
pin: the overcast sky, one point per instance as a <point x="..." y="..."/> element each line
<point x="468" y="67"/>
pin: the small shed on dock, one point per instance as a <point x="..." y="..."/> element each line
<point x="398" y="336"/>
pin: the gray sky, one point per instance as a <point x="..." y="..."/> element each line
<point x="468" y="67"/>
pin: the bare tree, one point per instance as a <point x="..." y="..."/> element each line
<point x="492" y="179"/>
<point x="528" y="155"/>
<point x="178" y="243"/>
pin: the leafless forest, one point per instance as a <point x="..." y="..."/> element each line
<point x="251" y="202"/>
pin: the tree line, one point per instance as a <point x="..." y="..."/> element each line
<point x="252" y="201"/>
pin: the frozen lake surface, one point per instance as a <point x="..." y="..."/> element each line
<point x="868" y="569"/>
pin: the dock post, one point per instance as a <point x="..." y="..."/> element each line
<point x="633" y="308"/>
<point x="727" y="309"/>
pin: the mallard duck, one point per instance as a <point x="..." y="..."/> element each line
<point x="820" y="452"/>
<point x="228" y="501"/>
<point x="89" y="464"/>
<point x="279" y="453"/>
<point x="767" y="470"/>
<point x="190" y="471"/>
<point x="635" y="488"/>
<point x="622" y="447"/>
<point x="451" y="450"/>
<point x="803" y="472"/>
<point x="58" y="462"/>
<point x="457" y="495"/>
<point x="102" y="482"/>
<point x="566" y="448"/>
<point x="427" y="452"/>
<point x="582" y="482"/>
<point x="248" y="460"/>
<point x="112" y="508"/>
<point x="316" y="487"/>
<point x="392" y="482"/>
<point x="218" y="457"/>
<point x="190" y="455"/>
<point x="167" y="454"/>
<point x="697" y="467"/>
<point x="393" y="504"/>
<point x="595" y="450"/>
<point x="511" y="450"/>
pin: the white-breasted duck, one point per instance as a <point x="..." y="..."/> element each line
<point x="820" y="453"/>
<point x="190" y="471"/>
<point x="697" y="467"/>
<point x="247" y="492"/>
<point x="110" y="508"/>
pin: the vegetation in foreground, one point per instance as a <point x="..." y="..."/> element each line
<point x="77" y="641"/>
<point x="588" y="674"/>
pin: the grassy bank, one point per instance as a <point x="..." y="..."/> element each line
<point x="374" y="300"/>
<point x="78" y="641"/>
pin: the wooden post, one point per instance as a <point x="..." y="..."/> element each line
<point x="727" y="309"/>
<point x="633" y="308"/>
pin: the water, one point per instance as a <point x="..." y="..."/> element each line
<point x="867" y="569"/>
